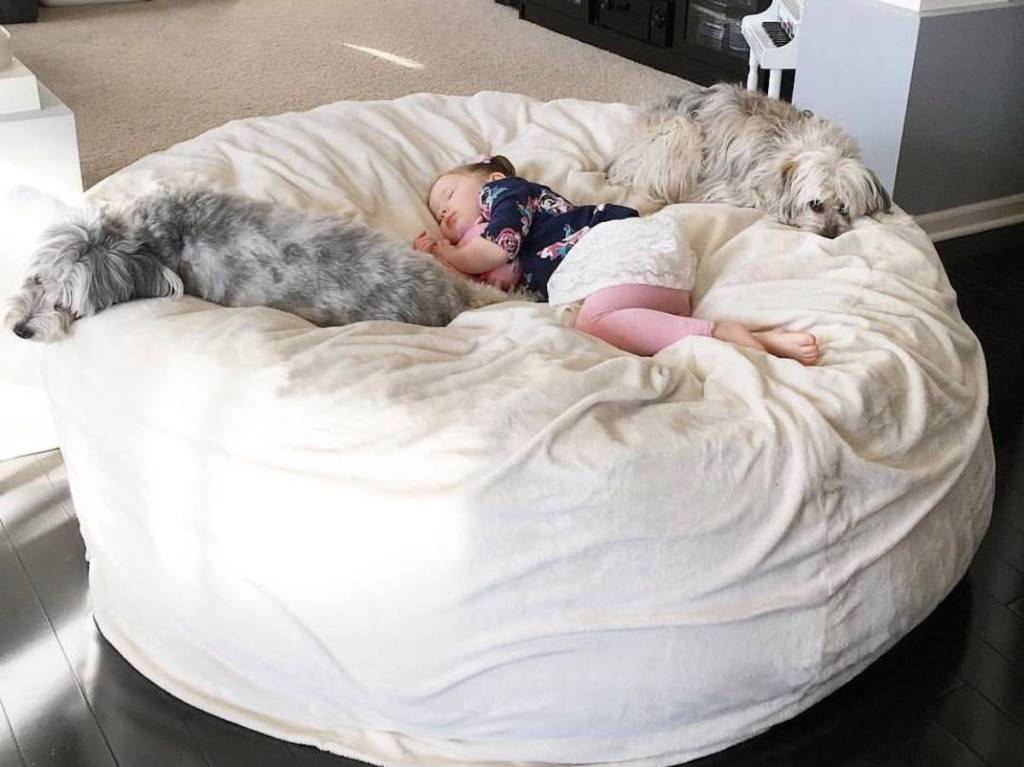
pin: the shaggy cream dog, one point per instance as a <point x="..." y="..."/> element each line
<point x="726" y="144"/>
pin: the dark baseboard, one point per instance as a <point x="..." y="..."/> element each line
<point x="17" y="11"/>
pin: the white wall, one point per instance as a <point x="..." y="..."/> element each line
<point x="855" y="65"/>
<point x="934" y="99"/>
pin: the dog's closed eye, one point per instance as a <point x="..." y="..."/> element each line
<point x="816" y="205"/>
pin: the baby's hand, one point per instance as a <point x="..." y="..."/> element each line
<point x="424" y="242"/>
<point x="442" y="249"/>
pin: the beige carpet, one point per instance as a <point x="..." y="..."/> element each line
<point x="142" y="76"/>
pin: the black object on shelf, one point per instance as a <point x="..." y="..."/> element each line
<point x="696" y="39"/>
<point x="649" y="20"/>
<point x="16" y="11"/>
<point x="576" y="9"/>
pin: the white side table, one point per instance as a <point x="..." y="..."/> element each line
<point x="38" y="150"/>
<point x="43" y="146"/>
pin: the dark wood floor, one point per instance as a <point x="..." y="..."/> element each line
<point x="951" y="694"/>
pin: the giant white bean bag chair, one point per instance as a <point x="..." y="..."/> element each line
<point x="503" y="540"/>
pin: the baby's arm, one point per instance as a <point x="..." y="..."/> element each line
<point x="475" y="256"/>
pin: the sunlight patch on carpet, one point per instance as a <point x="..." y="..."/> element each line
<point x="394" y="59"/>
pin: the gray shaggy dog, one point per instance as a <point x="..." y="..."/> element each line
<point x="730" y="145"/>
<point x="233" y="251"/>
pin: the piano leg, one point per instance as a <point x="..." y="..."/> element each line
<point x="752" y="74"/>
<point x="774" y="83"/>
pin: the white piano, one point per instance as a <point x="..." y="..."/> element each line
<point x="773" y="37"/>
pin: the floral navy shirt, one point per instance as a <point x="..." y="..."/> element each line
<point x="538" y="226"/>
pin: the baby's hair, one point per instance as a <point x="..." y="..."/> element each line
<point x="485" y="166"/>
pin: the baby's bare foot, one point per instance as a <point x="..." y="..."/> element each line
<point x="736" y="333"/>
<point x="802" y="347"/>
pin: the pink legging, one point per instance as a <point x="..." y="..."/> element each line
<point x="642" y="319"/>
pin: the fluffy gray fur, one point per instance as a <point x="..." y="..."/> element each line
<point x="234" y="251"/>
<point x="726" y="144"/>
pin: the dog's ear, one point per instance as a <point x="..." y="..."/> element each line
<point x="877" y="195"/>
<point x="787" y="171"/>
<point x="786" y="202"/>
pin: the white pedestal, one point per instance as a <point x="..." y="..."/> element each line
<point x="19" y="90"/>
<point x="42" y="146"/>
<point x="39" y="154"/>
<point x="25" y="423"/>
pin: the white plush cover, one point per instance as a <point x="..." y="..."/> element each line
<point x="504" y="540"/>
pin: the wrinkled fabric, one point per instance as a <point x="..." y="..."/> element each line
<point x="504" y="540"/>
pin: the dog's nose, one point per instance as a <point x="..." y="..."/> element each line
<point x="830" y="232"/>
<point x="21" y="330"/>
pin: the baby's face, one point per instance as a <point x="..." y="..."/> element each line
<point x="455" y="202"/>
